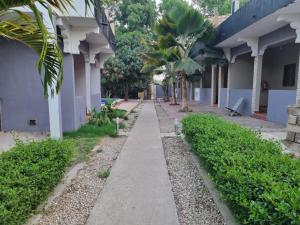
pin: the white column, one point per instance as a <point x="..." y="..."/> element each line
<point x="220" y="85"/>
<point x="235" y="6"/>
<point x="55" y="117"/>
<point x="213" y="84"/>
<point x="228" y="84"/>
<point x="257" y="73"/>
<point x="88" y="83"/>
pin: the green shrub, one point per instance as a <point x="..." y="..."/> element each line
<point x="261" y="184"/>
<point x="100" y="118"/>
<point x="28" y="172"/>
<point x="117" y="113"/>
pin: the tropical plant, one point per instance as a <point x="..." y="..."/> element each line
<point x="31" y="31"/>
<point x="179" y="30"/>
<point x="161" y="61"/>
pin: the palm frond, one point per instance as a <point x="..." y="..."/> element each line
<point x="24" y="29"/>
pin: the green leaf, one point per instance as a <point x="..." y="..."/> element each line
<point x="188" y="65"/>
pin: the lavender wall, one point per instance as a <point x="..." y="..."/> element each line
<point x="205" y="95"/>
<point x="223" y="97"/>
<point x="235" y="94"/>
<point x="68" y="95"/>
<point x="80" y="107"/>
<point x="159" y="91"/>
<point x="20" y="89"/>
<point x="96" y="101"/>
<point x="278" y="101"/>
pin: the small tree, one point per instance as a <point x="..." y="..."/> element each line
<point x="179" y="30"/>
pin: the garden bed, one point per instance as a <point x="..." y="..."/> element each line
<point x="260" y="183"/>
<point x="28" y="172"/>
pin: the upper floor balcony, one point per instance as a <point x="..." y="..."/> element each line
<point x="105" y="26"/>
<point x="247" y="15"/>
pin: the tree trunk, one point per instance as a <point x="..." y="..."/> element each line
<point x="166" y="93"/>
<point x="174" y="99"/>
<point x="126" y="91"/>
<point x="185" y="101"/>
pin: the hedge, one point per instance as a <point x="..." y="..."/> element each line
<point x="260" y="183"/>
<point x="28" y="172"/>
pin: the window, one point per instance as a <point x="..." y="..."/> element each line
<point x="289" y="75"/>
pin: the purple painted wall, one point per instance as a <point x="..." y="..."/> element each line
<point x="96" y="101"/>
<point x="21" y="91"/>
<point x="68" y="95"/>
<point x="205" y="95"/>
<point x="278" y="102"/>
<point x="223" y="97"/>
<point x="159" y="91"/>
<point x="80" y="110"/>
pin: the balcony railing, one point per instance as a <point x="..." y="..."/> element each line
<point x="104" y="25"/>
<point x="250" y="13"/>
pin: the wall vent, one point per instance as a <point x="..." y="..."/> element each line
<point x="32" y="122"/>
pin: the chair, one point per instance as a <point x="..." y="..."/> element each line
<point x="234" y="111"/>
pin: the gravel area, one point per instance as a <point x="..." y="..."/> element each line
<point x="73" y="206"/>
<point x="166" y="123"/>
<point x="195" y="206"/>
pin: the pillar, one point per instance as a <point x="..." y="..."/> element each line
<point x="235" y="5"/>
<point x="257" y="73"/>
<point x="55" y="116"/>
<point x="228" y="85"/>
<point x="298" y="84"/>
<point x="220" y="85"/>
<point x="213" y="84"/>
<point x="88" y="83"/>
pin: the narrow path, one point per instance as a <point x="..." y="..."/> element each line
<point x="138" y="191"/>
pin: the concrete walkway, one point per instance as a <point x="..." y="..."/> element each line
<point x="138" y="191"/>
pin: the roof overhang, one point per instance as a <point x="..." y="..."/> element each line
<point x="280" y="18"/>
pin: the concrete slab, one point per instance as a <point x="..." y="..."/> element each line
<point x="8" y="139"/>
<point x="138" y="191"/>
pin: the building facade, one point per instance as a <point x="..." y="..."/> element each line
<point x="87" y="40"/>
<point x="261" y="42"/>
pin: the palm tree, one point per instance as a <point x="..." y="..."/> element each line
<point x="161" y="61"/>
<point x="31" y="31"/>
<point x="179" y="30"/>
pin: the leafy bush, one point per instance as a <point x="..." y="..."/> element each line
<point x="99" y="118"/>
<point x="261" y="184"/>
<point x="28" y="172"/>
<point x="117" y="113"/>
<point x="106" y="115"/>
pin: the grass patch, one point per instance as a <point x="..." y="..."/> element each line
<point x="104" y="174"/>
<point x="28" y="172"/>
<point x="91" y="131"/>
<point x="87" y="137"/>
<point x="261" y="184"/>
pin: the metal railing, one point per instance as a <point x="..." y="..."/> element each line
<point x="104" y="25"/>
